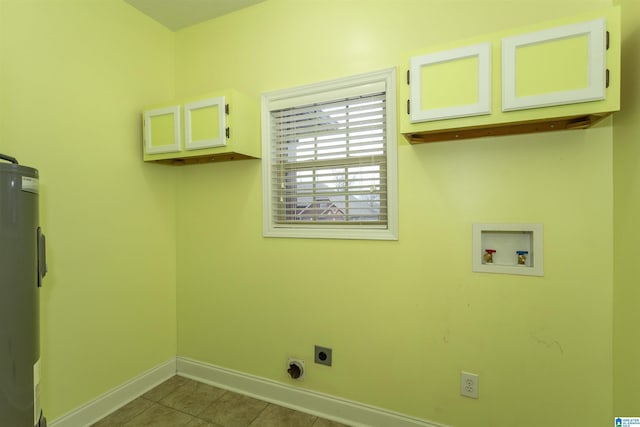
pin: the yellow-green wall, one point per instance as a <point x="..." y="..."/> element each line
<point x="403" y="318"/>
<point x="627" y="211"/>
<point x="74" y="77"/>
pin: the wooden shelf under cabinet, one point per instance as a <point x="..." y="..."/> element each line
<point x="514" y="128"/>
<point x="206" y="158"/>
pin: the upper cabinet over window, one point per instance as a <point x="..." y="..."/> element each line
<point x="559" y="75"/>
<point x="214" y="127"/>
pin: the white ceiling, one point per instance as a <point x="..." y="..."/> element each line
<point x="177" y="14"/>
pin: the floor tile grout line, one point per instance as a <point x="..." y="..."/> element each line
<point x="129" y="419"/>
<point x="258" y="414"/>
<point x="210" y="404"/>
<point x="315" y="417"/>
<point x="193" y="415"/>
<point x="253" y="420"/>
<point x="164" y="406"/>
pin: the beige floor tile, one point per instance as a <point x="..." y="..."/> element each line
<point x="192" y="397"/>
<point x="180" y="401"/>
<point x="159" y="392"/>
<point x="233" y="410"/>
<point x="321" y="422"/>
<point x="278" y="416"/>
<point x="197" y="422"/>
<point x="160" y="416"/>
<point x="124" y="414"/>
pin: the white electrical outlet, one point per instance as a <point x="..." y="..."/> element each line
<point x="469" y="384"/>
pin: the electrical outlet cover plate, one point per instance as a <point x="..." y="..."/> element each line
<point x="469" y="385"/>
<point x="323" y="355"/>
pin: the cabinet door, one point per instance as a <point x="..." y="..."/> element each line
<point x="452" y="83"/>
<point x="162" y="130"/>
<point x="205" y="123"/>
<point x="561" y="65"/>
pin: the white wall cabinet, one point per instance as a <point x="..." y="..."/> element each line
<point x="551" y="76"/>
<point x="218" y="126"/>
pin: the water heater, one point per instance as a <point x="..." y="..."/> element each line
<point x="22" y="267"/>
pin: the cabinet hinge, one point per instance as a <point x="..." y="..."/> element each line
<point x="408" y="77"/>
<point x="226" y="109"/>
<point x="226" y="131"/>
<point x="408" y="106"/>
<point x="608" y="40"/>
<point x="607" y="78"/>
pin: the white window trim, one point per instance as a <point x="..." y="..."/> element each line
<point x="320" y="92"/>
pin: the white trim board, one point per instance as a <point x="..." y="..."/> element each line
<point x="114" y="399"/>
<point x="323" y="405"/>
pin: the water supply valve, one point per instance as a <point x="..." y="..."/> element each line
<point x="488" y="256"/>
<point x="522" y="257"/>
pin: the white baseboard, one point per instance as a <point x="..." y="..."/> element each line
<point x="105" y="404"/>
<point x="326" y="406"/>
<point x="330" y="407"/>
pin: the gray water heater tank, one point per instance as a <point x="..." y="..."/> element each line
<point x="22" y="266"/>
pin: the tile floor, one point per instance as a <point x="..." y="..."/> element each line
<point x="180" y="401"/>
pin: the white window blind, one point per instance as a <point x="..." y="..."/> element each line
<point x="329" y="162"/>
<point x="328" y="157"/>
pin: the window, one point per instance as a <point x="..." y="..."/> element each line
<point x="329" y="159"/>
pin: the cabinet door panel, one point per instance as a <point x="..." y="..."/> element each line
<point x="162" y="130"/>
<point x="452" y="83"/>
<point x="205" y="123"/>
<point x="436" y="95"/>
<point x="557" y="66"/>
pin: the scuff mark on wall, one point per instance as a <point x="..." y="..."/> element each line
<point x="547" y="342"/>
